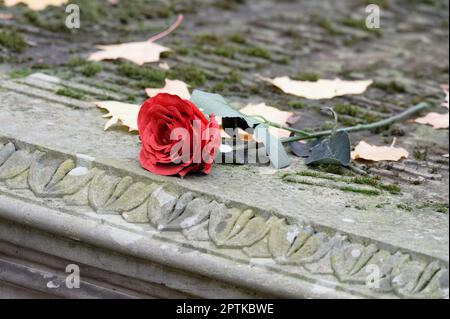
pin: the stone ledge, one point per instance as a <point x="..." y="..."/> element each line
<point x="232" y="243"/>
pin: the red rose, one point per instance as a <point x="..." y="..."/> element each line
<point x="176" y="136"/>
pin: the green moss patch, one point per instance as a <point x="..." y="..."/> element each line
<point x="12" y="40"/>
<point x="71" y="93"/>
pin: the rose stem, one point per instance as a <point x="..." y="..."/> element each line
<point x="363" y="127"/>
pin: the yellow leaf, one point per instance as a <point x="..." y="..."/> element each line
<point x="322" y="89"/>
<point x="271" y="114"/>
<point x="36" y="5"/>
<point x="437" y="120"/>
<point x="137" y="52"/>
<point x="174" y="87"/>
<point x="121" y="114"/>
<point x="369" y="152"/>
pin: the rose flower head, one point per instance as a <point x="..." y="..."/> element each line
<point x="177" y="138"/>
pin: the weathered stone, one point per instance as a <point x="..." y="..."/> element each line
<point x="64" y="169"/>
<point x="18" y="182"/>
<point x="138" y="215"/>
<point x="196" y="211"/>
<point x="101" y="189"/>
<point x="16" y="164"/>
<point x="402" y="238"/>
<point x="80" y="198"/>
<point x="42" y="170"/>
<point x="161" y="205"/>
<point x="132" y="198"/>
<point x="121" y="187"/>
<point x="286" y="239"/>
<point x="258" y="250"/>
<point x="6" y="151"/>
<point x="71" y="184"/>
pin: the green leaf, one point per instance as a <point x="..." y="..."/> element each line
<point x="210" y="103"/>
<point x="331" y="150"/>
<point x="302" y="149"/>
<point x="215" y="104"/>
<point x="274" y="148"/>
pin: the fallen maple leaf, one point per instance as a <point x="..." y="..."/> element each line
<point x="36" y="5"/>
<point x="121" y="114"/>
<point x="322" y="89"/>
<point x="437" y="120"/>
<point x="136" y="52"/>
<point x="369" y="152"/>
<point x="270" y="114"/>
<point x="174" y="87"/>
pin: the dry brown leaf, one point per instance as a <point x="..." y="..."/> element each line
<point x="175" y="87"/>
<point x="136" y="52"/>
<point x="121" y="114"/>
<point x="369" y="152"/>
<point x="322" y="89"/>
<point x="271" y="114"/>
<point x="437" y="120"/>
<point x="36" y="5"/>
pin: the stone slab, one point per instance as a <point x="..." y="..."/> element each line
<point x="255" y="231"/>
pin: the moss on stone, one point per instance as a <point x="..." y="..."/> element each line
<point x="297" y="104"/>
<point x="405" y="207"/>
<point x="327" y="25"/>
<point x="257" y="52"/>
<point x="17" y="74"/>
<point x="229" y="4"/>
<point x="368" y="192"/>
<point x="208" y="39"/>
<point x="233" y="77"/>
<point x="191" y="74"/>
<point x="76" y="62"/>
<point x="311" y="77"/>
<point x="361" y="25"/>
<point x="227" y="51"/>
<point x="237" y="38"/>
<point x="420" y="154"/>
<point x="390" y="87"/>
<point x="91" y="69"/>
<point x="347" y="109"/>
<point x="54" y="23"/>
<point x="70" y="93"/>
<point x="12" y="40"/>
<point x="146" y="76"/>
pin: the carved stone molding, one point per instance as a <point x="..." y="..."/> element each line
<point x="239" y="233"/>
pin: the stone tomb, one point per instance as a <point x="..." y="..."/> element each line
<point x="73" y="194"/>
